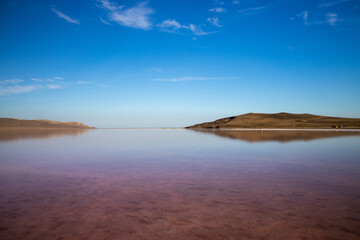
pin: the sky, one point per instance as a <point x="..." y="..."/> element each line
<point x="174" y="63"/>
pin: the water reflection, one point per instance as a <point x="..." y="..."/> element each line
<point x="9" y="134"/>
<point x="178" y="184"/>
<point x="279" y="135"/>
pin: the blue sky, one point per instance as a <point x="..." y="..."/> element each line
<point x="175" y="63"/>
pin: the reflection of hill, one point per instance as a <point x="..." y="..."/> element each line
<point x="279" y="135"/>
<point x="8" y="134"/>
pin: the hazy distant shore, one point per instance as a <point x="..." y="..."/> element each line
<point x="37" y="124"/>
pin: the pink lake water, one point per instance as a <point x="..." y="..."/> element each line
<point x="179" y="184"/>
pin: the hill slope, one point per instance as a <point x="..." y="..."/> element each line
<point x="280" y="120"/>
<point x="19" y="123"/>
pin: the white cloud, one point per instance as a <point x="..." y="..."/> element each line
<point x="217" y="9"/>
<point x="16" y="86"/>
<point x="169" y="25"/>
<point x="11" y="81"/>
<point x="197" y="30"/>
<point x="63" y="16"/>
<point x="135" y="17"/>
<point x="17" y="89"/>
<point x="253" y="11"/>
<point x="214" y="21"/>
<point x="330" y="3"/>
<point x="110" y="5"/>
<point x="103" y="21"/>
<point x="184" y="79"/>
<point x="235" y="2"/>
<point x="304" y="15"/>
<point x="331" y="18"/>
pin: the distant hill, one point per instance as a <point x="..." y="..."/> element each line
<point x="19" y="123"/>
<point x="280" y="120"/>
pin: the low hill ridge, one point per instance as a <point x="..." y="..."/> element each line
<point x="40" y="123"/>
<point x="280" y="120"/>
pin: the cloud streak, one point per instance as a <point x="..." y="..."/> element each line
<point x="103" y="21"/>
<point x="253" y="11"/>
<point x="172" y="26"/>
<point x="331" y="3"/>
<point x="11" y="81"/>
<point x="214" y="21"/>
<point x="110" y="5"/>
<point x="17" y="86"/>
<point x="185" y="79"/>
<point x="197" y="30"/>
<point x="330" y="18"/>
<point x="10" y="90"/>
<point x="217" y="9"/>
<point x="137" y="17"/>
<point x="65" y="17"/>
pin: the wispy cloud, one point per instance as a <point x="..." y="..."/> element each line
<point x="254" y="10"/>
<point x="184" y="79"/>
<point x="331" y="3"/>
<point x="103" y="21"/>
<point x="197" y="30"/>
<point x="171" y="26"/>
<point x="10" y="90"/>
<point x="217" y="9"/>
<point x="214" y="21"/>
<point x="304" y="15"/>
<point x="135" y="17"/>
<point x="110" y="5"/>
<point x="63" y="16"/>
<point x="329" y="18"/>
<point x="16" y="86"/>
<point x="332" y="18"/>
<point x="11" y="81"/>
<point x="235" y="2"/>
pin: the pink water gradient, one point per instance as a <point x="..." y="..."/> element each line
<point x="178" y="184"/>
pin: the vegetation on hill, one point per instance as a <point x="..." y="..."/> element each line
<point x="13" y="122"/>
<point x="280" y="120"/>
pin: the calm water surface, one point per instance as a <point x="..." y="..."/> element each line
<point x="179" y="184"/>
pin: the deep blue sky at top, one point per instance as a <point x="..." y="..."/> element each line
<point x="174" y="63"/>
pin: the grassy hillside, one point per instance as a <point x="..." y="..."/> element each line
<point x="280" y="120"/>
<point x="19" y="123"/>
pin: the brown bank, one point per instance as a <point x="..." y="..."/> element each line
<point x="280" y="120"/>
<point x="19" y="123"/>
